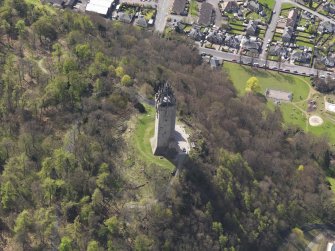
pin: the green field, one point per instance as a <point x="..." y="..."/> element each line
<point x="293" y="113"/>
<point x="269" y="3"/>
<point x="143" y="132"/>
<point x="194" y="9"/>
<point x="332" y="183"/>
<point x="299" y="86"/>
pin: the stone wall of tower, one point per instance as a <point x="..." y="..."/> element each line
<point x="165" y="120"/>
<point x="165" y="125"/>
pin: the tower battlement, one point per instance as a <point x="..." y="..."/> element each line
<point x="165" y="103"/>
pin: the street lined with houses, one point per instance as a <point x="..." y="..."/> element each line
<point x="262" y="63"/>
<point x="283" y="35"/>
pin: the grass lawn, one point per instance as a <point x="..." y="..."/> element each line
<point x="332" y="183"/>
<point x="327" y="129"/>
<point x="293" y="116"/>
<point x="194" y="9"/>
<point x="267" y="79"/>
<point x="302" y="43"/>
<point x="143" y="132"/>
<point x="293" y="113"/>
<point x="269" y="3"/>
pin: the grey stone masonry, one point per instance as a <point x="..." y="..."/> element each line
<point x="165" y="122"/>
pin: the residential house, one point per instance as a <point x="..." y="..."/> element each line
<point x="214" y="62"/>
<point x="251" y="28"/>
<point x="233" y="41"/>
<point x="206" y="14"/>
<point x="292" y="18"/>
<point x="301" y="57"/>
<point x="287" y="34"/>
<point x="328" y="61"/>
<point x="326" y="27"/>
<point x="179" y="7"/>
<point x="279" y="51"/>
<point x="250" y="44"/>
<point x="215" y="37"/>
<point x="254" y="6"/>
<point x="229" y="6"/>
<point x="329" y="7"/>
<point x="140" y="21"/>
<point x="125" y="17"/>
<point x="196" y="34"/>
<point x="102" y="8"/>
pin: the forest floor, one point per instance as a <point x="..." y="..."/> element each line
<point x="295" y="112"/>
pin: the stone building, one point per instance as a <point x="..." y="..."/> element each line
<point x="165" y="103"/>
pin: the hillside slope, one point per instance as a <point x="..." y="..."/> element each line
<point x="72" y="178"/>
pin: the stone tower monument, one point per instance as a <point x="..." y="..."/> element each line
<point x="165" y="103"/>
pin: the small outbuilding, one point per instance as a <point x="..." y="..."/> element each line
<point x="278" y="95"/>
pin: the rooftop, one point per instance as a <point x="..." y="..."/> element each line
<point x="278" y="95"/>
<point x="206" y="12"/>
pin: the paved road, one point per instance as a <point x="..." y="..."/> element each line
<point x="271" y="28"/>
<point x="163" y="10"/>
<point x="273" y="65"/>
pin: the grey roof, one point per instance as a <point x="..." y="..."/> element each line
<point x="328" y="61"/>
<point x="330" y="7"/>
<point x="216" y="37"/>
<point x="278" y="95"/>
<point x="248" y="44"/>
<point x="179" y="7"/>
<point x="292" y="18"/>
<point x="287" y="34"/>
<point x="140" y="21"/>
<point x="300" y="56"/>
<point x="125" y="17"/>
<point x="278" y="50"/>
<point x="196" y="34"/>
<point x="233" y="41"/>
<point x="230" y="5"/>
<point x="214" y="62"/>
<point x="254" y="6"/>
<point x="251" y="27"/>
<point x="206" y="12"/>
<point x="326" y="26"/>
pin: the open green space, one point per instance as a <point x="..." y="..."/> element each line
<point x="332" y="183"/>
<point x="194" y="9"/>
<point x="303" y="43"/>
<point x="268" y="79"/>
<point x="269" y="3"/>
<point x="293" y="113"/>
<point x="144" y="131"/>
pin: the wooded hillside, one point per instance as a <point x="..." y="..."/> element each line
<point x="68" y="92"/>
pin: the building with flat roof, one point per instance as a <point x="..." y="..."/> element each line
<point x="101" y="7"/>
<point x="278" y="95"/>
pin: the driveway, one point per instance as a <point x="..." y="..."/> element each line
<point x="271" y="28"/>
<point x="163" y="10"/>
